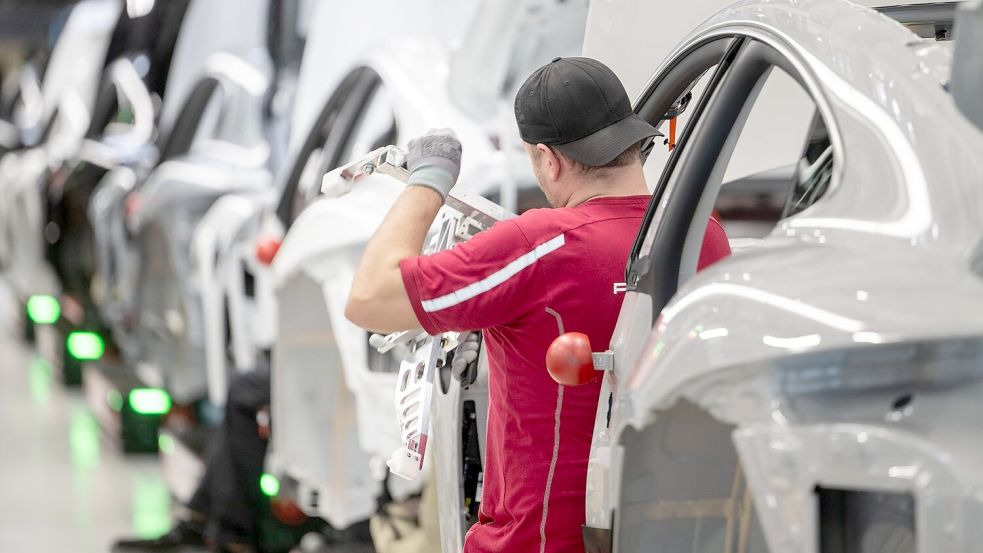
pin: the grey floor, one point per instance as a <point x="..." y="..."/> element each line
<point x="63" y="487"/>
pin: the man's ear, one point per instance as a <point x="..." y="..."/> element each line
<point x="551" y="162"/>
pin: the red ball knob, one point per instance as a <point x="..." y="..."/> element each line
<point x="266" y="249"/>
<point x="569" y="359"/>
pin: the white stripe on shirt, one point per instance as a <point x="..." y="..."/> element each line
<point x="495" y="279"/>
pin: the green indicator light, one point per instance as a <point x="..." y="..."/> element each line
<point x="43" y="310"/>
<point x="149" y="401"/>
<point x="166" y="443"/>
<point x="115" y="400"/>
<point x="85" y="346"/>
<point x="269" y="484"/>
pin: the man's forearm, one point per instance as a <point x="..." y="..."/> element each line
<point x="403" y="231"/>
<point x="378" y="299"/>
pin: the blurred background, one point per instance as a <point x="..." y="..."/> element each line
<point x="176" y="246"/>
<point x="62" y="491"/>
<point x="153" y="156"/>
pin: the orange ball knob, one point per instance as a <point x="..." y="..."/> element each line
<point x="266" y="249"/>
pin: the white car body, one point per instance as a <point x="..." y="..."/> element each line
<point x="332" y="396"/>
<point x="324" y="393"/>
<point x="239" y="320"/>
<point x="220" y="149"/>
<point x="67" y="97"/>
<point x="792" y="371"/>
<point x="210" y="26"/>
<point x="230" y="158"/>
<point x="239" y="327"/>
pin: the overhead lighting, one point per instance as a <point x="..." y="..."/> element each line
<point x="85" y="346"/>
<point x="269" y="484"/>
<point x="149" y="401"/>
<point x="43" y="310"/>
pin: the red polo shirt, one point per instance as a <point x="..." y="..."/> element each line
<point x="512" y="282"/>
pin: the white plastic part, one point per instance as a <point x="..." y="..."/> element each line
<point x="414" y="395"/>
<point x="405" y="463"/>
<point x="331" y="396"/>
<point x="388" y="160"/>
<point x="461" y="218"/>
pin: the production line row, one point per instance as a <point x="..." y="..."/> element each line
<point x="750" y="384"/>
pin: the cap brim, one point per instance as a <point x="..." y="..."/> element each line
<point x="608" y="143"/>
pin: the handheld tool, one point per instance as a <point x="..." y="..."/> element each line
<point x="462" y="216"/>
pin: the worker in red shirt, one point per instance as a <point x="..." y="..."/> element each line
<point x="515" y="280"/>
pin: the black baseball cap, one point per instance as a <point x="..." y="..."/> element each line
<point x="579" y="107"/>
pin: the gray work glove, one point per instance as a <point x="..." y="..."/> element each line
<point x="466" y="354"/>
<point x="434" y="161"/>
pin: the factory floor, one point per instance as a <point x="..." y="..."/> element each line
<point x="63" y="487"/>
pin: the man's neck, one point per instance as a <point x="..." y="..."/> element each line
<point x="629" y="181"/>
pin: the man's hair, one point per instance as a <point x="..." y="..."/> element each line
<point x="627" y="157"/>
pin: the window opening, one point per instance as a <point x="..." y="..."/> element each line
<point x="775" y="148"/>
<point x="696" y="73"/>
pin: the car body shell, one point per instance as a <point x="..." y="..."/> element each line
<point x="68" y="91"/>
<point x="239" y="326"/>
<point x="324" y="393"/>
<point x="321" y="357"/>
<point x="103" y="50"/>
<point x="887" y="262"/>
<point x="150" y="301"/>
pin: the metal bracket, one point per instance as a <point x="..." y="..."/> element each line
<point x="388" y="160"/>
<point x="603" y="361"/>
<point x="385" y="343"/>
<point x="462" y="217"/>
<point x="466" y="228"/>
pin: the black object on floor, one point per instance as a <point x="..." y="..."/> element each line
<point x="184" y="534"/>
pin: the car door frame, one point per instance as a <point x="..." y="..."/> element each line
<point x="651" y="286"/>
<point x="686" y="67"/>
<point x="706" y="142"/>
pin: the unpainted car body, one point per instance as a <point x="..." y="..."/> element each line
<point x="122" y="131"/>
<point x="20" y="102"/>
<point x="213" y="141"/>
<point x="814" y="390"/>
<point x="64" y="109"/>
<point x="175" y="197"/>
<point x="333" y="408"/>
<point x="235" y="286"/>
<point x="329" y="386"/>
